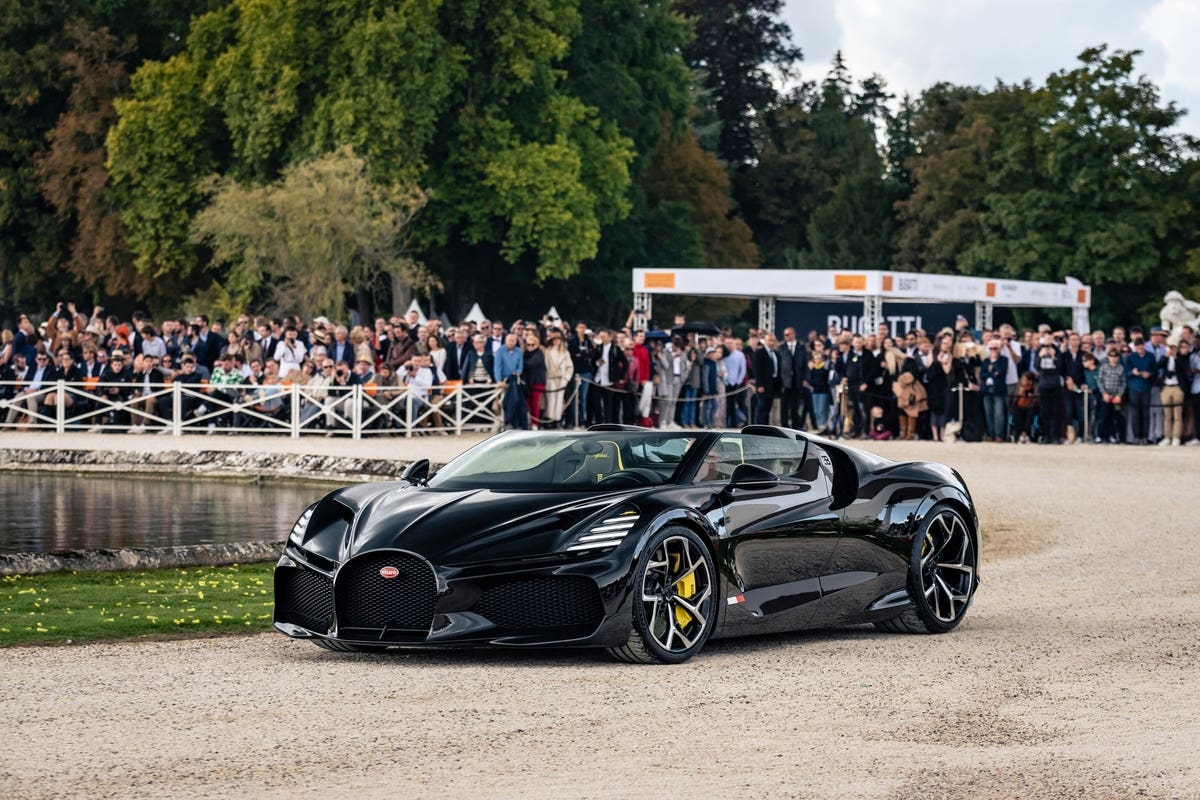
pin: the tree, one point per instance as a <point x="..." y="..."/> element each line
<point x="684" y="175"/>
<point x="324" y="229"/>
<point x="1079" y="177"/>
<point x="467" y="100"/>
<point x="740" y="47"/>
<point x="56" y="80"/>
<point x="957" y="131"/>
<point x="820" y="194"/>
<point x="71" y="172"/>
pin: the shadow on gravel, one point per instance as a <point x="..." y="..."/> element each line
<point x="451" y="657"/>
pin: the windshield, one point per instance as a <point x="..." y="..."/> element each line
<point x="580" y="462"/>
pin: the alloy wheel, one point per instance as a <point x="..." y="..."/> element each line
<point x="677" y="594"/>
<point x="947" y="567"/>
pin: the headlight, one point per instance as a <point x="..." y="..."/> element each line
<point x="606" y="533"/>
<point x="297" y="535"/>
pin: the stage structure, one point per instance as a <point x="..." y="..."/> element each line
<point x="875" y="289"/>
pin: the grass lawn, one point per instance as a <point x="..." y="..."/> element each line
<point x="86" y="606"/>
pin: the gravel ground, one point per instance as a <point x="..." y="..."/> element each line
<point x="1075" y="675"/>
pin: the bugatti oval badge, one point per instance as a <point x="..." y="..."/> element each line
<point x="388" y="572"/>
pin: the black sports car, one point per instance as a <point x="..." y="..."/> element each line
<point x="644" y="542"/>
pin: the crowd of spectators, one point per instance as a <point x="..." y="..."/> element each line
<point x="991" y="385"/>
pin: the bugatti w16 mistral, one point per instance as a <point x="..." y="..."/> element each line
<point x="647" y="543"/>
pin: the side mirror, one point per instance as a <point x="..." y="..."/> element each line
<point x="417" y="472"/>
<point x="752" y="476"/>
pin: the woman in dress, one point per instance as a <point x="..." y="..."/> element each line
<point x="559" y="371"/>
<point x="937" y="384"/>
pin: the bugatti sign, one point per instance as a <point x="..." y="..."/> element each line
<point x="847" y="316"/>
<point x="388" y="572"/>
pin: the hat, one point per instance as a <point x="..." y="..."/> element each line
<point x="122" y="329"/>
<point x="1157" y="329"/>
<point x="364" y="360"/>
<point x="117" y="355"/>
<point x="93" y="328"/>
<point x="322" y="320"/>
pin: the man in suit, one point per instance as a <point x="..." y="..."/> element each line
<point x="580" y="346"/>
<point x="208" y="343"/>
<point x="340" y="349"/>
<point x="793" y="380"/>
<point x="608" y="369"/>
<point x="33" y="378"/>
<point x="766" y="378"/>
<point x="456" y="354"/>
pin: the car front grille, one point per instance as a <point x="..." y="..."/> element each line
<point x="303" y="597"/>
<point x="365" y="599"/>
<point x="557" y="601"/>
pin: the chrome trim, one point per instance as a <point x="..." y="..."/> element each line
<point x="591" y="537"/>
<point x="592" y="546"/>
<point x="894" y="599"/>
<point x="616" y="526"/>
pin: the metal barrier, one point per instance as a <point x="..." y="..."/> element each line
<point x="287" y="409"/>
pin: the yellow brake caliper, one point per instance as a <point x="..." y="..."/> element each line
<point x="686" y="588"/>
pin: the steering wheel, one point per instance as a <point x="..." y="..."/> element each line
<point x="635" y="475"/>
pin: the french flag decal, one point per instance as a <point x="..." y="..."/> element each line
<point x="737" y="598"/>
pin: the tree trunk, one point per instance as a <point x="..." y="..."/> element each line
<point x="401" y="295"/>
<point x="365" y="312"/>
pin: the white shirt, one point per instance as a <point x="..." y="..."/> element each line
<point x="602" y="375"/>
<point x="419" y="381"/>
<point x="290" y="356"/>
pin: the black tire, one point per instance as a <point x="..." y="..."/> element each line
<point x="345" y="647"/>
<point x="677" y="571"/>
<point x="941" y="590"/>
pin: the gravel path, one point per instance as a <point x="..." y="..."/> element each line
<point x="1075" y="675"/>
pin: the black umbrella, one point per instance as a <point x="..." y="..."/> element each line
<point x="698" y="327"/>
<point x="658" y="335"/>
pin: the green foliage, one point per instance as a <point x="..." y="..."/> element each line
<point x="323" y="230"/>
<point x="821" y="194"/>
<point x="741" y="48"/>
<point x="1078" y="178"/>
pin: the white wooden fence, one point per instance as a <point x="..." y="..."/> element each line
<point x="285" y="409"/>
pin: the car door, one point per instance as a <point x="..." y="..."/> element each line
<point x="776" y="539"/>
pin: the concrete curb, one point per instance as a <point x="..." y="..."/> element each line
<point x="133" y="558"/>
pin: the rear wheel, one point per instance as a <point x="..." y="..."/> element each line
<point x="675" y="606"/>
<point x="941" y="576"/>
<point x="345" y="647"/>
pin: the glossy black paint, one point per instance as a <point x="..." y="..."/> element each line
<point x="826" y="546"/>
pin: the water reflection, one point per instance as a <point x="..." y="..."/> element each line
<point x="43" y="511"/>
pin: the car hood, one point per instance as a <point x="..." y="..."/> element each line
<point x="454" y="526"/>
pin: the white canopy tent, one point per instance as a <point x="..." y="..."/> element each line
<point x="475" y="315"/>
<point x="873" y="287"/>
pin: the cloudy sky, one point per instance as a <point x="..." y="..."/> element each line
<point x="915" y="43"/>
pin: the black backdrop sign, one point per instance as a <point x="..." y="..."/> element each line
<point x="900" y="317"/>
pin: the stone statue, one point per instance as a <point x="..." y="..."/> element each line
<point x="1178" y="312"/>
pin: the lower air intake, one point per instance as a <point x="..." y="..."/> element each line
<point x="304" y="598"/>
<point x="568" y="601"/>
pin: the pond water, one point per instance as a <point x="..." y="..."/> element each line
<point x="45" y="511"/>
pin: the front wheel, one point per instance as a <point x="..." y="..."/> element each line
<point x="674" y="608"/>
<point x="941" y="575"/>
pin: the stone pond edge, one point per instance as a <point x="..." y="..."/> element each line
<point x="175" y="463"/>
